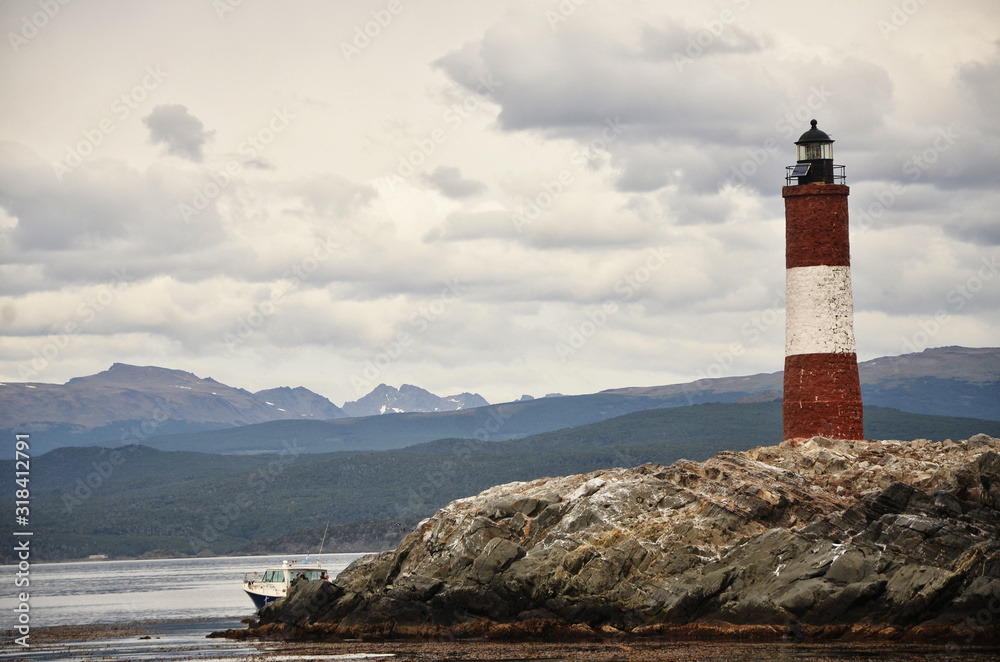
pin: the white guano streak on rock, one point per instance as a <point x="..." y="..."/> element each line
<point x="586" y="489"/>
<point x="820" y="311"/>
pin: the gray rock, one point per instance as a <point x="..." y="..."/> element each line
<point x="815" y="535"/>
<point x="495" y="557"/>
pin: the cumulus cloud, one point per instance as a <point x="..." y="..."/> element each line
<point x="182" y="133"/>
<point x="101" y="215"/>
<point x="687" y="121"/>
<point x="726" y="113"/>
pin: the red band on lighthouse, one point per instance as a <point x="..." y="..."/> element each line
<point x="822" y="391"/>
<point x="816" y="225"/>
<point x="826" y="397"/>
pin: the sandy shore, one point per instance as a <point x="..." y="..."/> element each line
<point x="181" y="639"/>
<point x="41" y="636"/>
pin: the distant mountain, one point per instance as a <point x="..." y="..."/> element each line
<point x="127" y="393"/>
<point x="946" y="381"/>
<point x="301" y="401"/>
<point x="130" y="404"/>
<point x="407" y="398"/>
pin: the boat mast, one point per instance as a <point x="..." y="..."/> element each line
<point x="324" y="538"/>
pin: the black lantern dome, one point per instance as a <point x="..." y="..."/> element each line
<point x="814" y="153"/>
<point x="814" y="144"/>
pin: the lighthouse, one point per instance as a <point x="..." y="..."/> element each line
<point x="822" y="392"/>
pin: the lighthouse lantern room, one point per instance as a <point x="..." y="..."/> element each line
<point x="814" y="153"/>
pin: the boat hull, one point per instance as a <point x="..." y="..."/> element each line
<point x="260" y="601"/>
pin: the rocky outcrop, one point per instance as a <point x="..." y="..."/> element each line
<point x="824" y="539"/>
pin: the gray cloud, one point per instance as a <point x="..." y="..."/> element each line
<point x="182" y="133"/>
<point x="686" y="123"/>
<point x="982" y="80"/>
<point x="671" y="41"/>
<point x="450" y="182"/>
<point x="572" y="82"/>
<point x="99" y="204"/>
<point x="693" y="126"/>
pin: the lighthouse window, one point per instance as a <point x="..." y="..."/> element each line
<point x="812" y="151"/>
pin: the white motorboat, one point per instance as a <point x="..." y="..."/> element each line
<point x="264" y="587"/>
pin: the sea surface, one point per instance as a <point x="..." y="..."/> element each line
<point x="178" y="601"/>
<point x="126" y="591"/>
<point x="163" y="609"/>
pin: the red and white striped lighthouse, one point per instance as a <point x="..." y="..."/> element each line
<point x="822" y="394"/>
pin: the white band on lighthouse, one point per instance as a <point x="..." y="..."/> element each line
<point x="822" y="319"/>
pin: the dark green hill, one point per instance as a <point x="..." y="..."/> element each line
<point x="129" y="501"/>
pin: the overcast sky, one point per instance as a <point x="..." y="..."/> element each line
<point x="495" y="196"/>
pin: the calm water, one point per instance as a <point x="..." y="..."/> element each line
<point x="187" y="597"/>
<point x="128" y="591"/>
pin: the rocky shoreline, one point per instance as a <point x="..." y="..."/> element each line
<point x="821" y="540"/>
